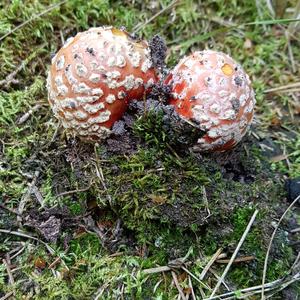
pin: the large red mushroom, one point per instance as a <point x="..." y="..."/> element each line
<point x="213" y="91"/>
<point x="94" y="76"/>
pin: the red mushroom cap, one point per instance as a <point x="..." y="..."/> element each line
<point x="212" y="90"/>
<point x="94" y="76"/>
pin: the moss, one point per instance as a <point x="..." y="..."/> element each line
<point x="149" y="182"/>
<point x="149" y="128"/>
<point x="171" y="202"/>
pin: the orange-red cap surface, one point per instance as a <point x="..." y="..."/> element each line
<point x="212" y="90"/>
<point x="94" y="76"/>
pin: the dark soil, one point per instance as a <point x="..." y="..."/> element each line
<point x="158" y="50"/>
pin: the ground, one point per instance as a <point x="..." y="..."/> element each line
<point x="85" y="221"/>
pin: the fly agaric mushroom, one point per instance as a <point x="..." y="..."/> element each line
<point x="94" y="76"/>
<point x="213" y="91"/>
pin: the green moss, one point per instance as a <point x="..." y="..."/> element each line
<point x="159" y="194"/>
<point x="149" y="128"/>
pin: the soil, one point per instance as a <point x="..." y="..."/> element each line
<point x="180" y="136"/>
<point x="243" y="177"/>
<point x="158" y="50"/>
<point x="293" y="188"/>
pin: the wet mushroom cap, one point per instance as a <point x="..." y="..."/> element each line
<point x="213" y="91"/>
<point x="94" y="76"/>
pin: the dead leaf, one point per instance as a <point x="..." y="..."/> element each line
<point x="182" y="277"/>
<point x="187" y="290"/>
<point x="40" y="263"/>
<point x="275" y="121"/>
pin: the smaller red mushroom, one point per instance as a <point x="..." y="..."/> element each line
<point x="213" y="91"/>
<point x="94" y="76"/>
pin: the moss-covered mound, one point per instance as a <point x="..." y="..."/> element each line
<point x="143" y="215"/>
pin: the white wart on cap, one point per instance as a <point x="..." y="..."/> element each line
<point x="212" y="90"/>
<point x="94" y="76"/>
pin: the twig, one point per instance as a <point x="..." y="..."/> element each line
<point x="197" y="279"/>
<point x="8" y="295"/>
<point x="167" y="268"/>
<point x="15" y="250"/>
<point x="222" y="255"/>
<point x="211" y="270"/>
<point x="17" y="269"/>
<point x="283" y="286"/>
<point x="256" y="289"/>
<point x="66" y="193"/>
<point x="100" y="175"/>
<point x="9" y="79"/>
<point x="25" y="197"/>
<point x="9" y="209"/>
<point x="139" y="27"/>
<point x="296" y="261"/>
<point x="54" y="134"/>
<point x="290" y="52"/>
<point x="219" y="20"/>
<point x="38" y="195"/>
<point x="34" y="17"/>
<point x="157" y="285"/>
<point x="26" y="116"/>
<point x="192" y="290"/>
<point x="157" y="270"/>
<point x="21" y="234"/>
<point x="295" y="230"/>
<point x="205" y="200"/>
<point x="101" y="291"/>
<point x="178" y="286"/>
<point x="116" y="254"/>
<point x="237" y="260"/>
<point x="283" y="87"/>
<point x="122" y="291"/>
<point x="62" y="37"/>
<point x="295" y="90"/>
<point x="54" y="263"/>
<point x="18" y="253"/>
<point x="174" y="153"/>
<point x="210" y="263"/>
<point x="235" y="253"/>
<point x="6" y="263"/>
<point x="217" y="255"/>
<point x="270" y="244"/>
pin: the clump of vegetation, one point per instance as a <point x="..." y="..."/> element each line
<point x="155" y="203"/>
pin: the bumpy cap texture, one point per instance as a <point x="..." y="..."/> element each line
<point x="94" y="76"/>
<point x="212" y="90"/>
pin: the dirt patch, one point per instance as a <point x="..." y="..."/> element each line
<point x="183" y="215"/>
<point x="122" y="141"/>
<point x="158" y="50"/>
<point x="50" y="222"/>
